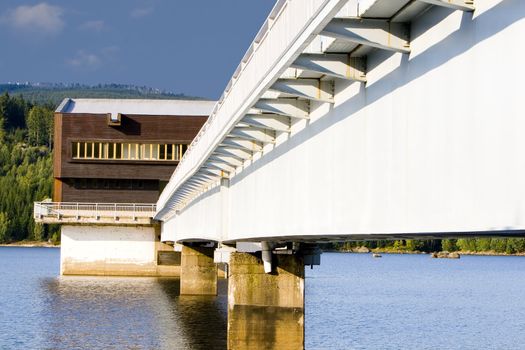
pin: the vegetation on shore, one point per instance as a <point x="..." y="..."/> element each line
<point x="492" y="246"/>
<point x="26" y="136"/>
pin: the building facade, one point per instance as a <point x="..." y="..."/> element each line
<point x="121" y="151"/>
<point x="111" y="161"/>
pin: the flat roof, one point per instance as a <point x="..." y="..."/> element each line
<point x="135" y="106"/>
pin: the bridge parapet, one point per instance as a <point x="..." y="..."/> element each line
<point x="94" y="213"/>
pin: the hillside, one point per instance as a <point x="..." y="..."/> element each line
<point x="52" y="94"/>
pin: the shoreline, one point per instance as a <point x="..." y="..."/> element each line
<point x="30" y="244"/>
<point x="402" y="252"/>
<point x="37" y="244"/>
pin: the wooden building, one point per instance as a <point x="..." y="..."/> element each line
<point x="121" y="151"/>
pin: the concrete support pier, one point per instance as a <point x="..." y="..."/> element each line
<point x="265" y="311"/>
<point x="198" y="274"/>
<point x="116" y="250"/>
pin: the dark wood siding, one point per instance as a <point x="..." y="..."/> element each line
<point x="90" y="127"/>
<point x="72" y="194"/>
<point x="71" y="128"/>
<point x="57" y="145"/>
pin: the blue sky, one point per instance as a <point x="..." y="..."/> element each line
<point x="184" y="46"/>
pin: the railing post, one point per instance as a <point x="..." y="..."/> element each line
<point x="78" y="213"/>
<point x="134" y="212"/>
<point x="115" y="211"/>
<point x="96" y="211"/>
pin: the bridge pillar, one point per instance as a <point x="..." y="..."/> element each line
<point x="265" y="311"/>
<point x="198" y="273"/>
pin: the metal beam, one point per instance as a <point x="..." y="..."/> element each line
<point x="213" y="172"/>
<point x="233" y="161"/>
<point x="243" y="144"/>
<point x="193" y="183"/>
<point x="205" y="177"/>
<point x="284" y="106"/>
<point x="261" y="135"/>
<point x="311" y="89"/>
<point x="462" y="5"/>
<point x="222" y="172"/>
<point x="268" y="121"/>
<point x="234" y="151"/>
<point x="335" y="65"/>
<point x="378" y="33"/>
<point x="219" y="166"/>
<point x="220" y="153"/>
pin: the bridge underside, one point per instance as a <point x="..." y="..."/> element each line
<point x="372" y="237"/>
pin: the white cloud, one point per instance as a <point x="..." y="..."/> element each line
<point x="85" y="60"/>
<point x="92" y="61"/>
<point x="141" y="12"/>
<point x="95" y="26"/>
<point x="42" y="18"/>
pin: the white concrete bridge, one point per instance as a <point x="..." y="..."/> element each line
<point x="363" y="120"/>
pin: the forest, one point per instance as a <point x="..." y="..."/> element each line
<point x="26" y="136"/>
<point x="26" y="175"/>
<point x="40" y="93"/>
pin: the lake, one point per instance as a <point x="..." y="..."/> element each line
<point x="352" y="302"/>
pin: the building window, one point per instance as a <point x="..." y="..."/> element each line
<point x="128" y="151"/>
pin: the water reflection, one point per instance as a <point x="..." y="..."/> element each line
<point x="263" y="327"/>
<point x="130" y="313"/>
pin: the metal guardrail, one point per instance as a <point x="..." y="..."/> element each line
<point x="58" y="211"/>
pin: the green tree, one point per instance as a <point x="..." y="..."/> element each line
<point x="413" y="245"/>
<point x="38" y="232"/>
<point x="482" y="244"/>
<point x="40" y="126"/>
<point x="449" y="245"/>
<point x="2" y="128"/>
<point x="4" y="227"/>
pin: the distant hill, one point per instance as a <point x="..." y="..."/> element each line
<point x="45" y="93"/>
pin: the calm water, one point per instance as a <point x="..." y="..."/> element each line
<point x="352" y="302"/>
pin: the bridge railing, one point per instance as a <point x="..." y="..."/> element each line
<point x="275" y="43"/>
<point x="51" y="212"/>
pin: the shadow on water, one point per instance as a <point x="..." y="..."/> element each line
<point x="203" y="319"/>
<point x="130" y="313"/>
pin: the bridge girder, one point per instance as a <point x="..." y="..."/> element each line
<point x="288" y="107"/>
<point x="255" y="134"/>
<point x="341" y="66"/>
<point x="311" y="89"/>
<point x="233" y="161"/>
<point x="205" y="177"/>
<point x="213" y="172"/>
<point x="378" y="33"/>
<point x="219" y="166"/>
<point x="242" y="144"/>
<point x="240" y="153"/>
<point x="268" y="121"/>
<point x="461" y="5"/>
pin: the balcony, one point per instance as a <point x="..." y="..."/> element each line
<point x="94" y="213"/>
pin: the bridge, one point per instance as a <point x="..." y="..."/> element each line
<point x="345" y="120"/>
<point x="361" y="120"/>
<point x="369" y="119"/>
